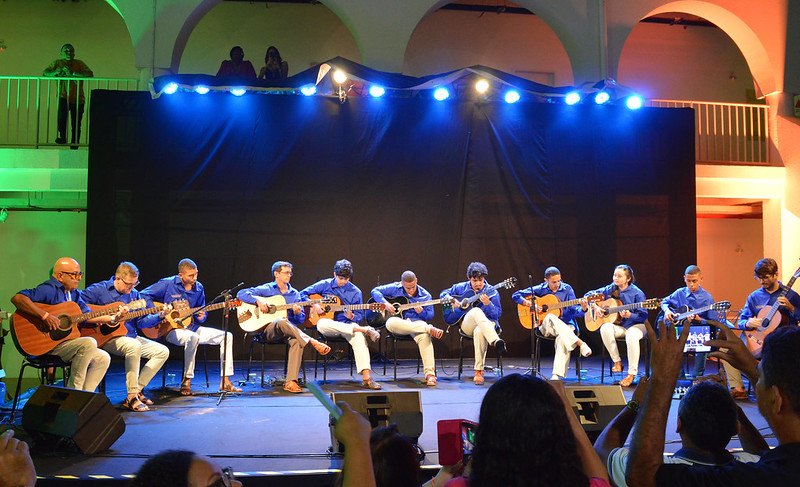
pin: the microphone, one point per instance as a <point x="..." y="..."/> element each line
<point x="228" y="291"/>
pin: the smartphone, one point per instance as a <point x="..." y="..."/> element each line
<point x="325" y="400"/>
<point x="456" y="440"/>
<point x="697" y="336"/>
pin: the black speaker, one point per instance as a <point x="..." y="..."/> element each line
<point x="382" y="409"/>
<point x="595" y="406"/>
<point x="69" y="419"/>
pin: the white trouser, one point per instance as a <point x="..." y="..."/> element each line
<point x="482" y="330"/>
<point x="134" y="349"/>
<point x="419" y="332"/>
<point x="610" y="332"/>
<point x="734" y="375"/>
<point x="203" y="336"/>
<point x="566" y="341"/>
<point x="357" y="340"/>
<point x="88" y="364"/>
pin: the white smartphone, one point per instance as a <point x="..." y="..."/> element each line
<point x="326" y="401"/>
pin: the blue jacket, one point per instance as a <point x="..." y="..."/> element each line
<point x="464" y="290"/>
<point x="564" y="293"/>
<point x="682" y="297"/>
<point x="53" y="292"/>
<point x="760" y="298"/>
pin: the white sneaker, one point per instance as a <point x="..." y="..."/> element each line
<point x="555" y="377"/>
<point x="373" y="334"/>
<point x="585" y="350"/>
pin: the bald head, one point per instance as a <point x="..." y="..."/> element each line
<point x="67" y="271"/>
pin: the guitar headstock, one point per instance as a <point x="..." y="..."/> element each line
<point x="653" y="303"/>
<point x="594" y="298"/>
<point x="507" y="284"/>
<point x="721" y="306"/>
<point x="796" y="274"/>
<point x="137" y="304"/>
<point x="375" y="306"/>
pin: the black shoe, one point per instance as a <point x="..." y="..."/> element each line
<point x="500" y="345"/>
<point x="61" y="140"/>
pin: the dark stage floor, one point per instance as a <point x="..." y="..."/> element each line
<point x="276" y="438"/>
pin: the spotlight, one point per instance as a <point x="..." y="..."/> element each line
<point x="376" y="91"/>
<point x="634" y="102"/>
<point x="201" y="90"/>
<point x="171" y="88"/>
<point x="512" y="96"/>
<point x="308" y="90"/>
<point x="601" y="97"/>
<point x="482" y="86"/>
<point x="238" y="91"/>
<point x="339" y="76"/>
<point x="3" y="215"/>
<point x="572" y="98"/>
<point x="441" y="94"/>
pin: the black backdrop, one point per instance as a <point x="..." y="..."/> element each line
<point x="236" y="183"/>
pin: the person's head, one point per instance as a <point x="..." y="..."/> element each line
<point x="181" y="468"/>
<point x="67" y="271"/>
<point x="409" y="282"/>
<point x="342" y="272"/>
<point x="395" y="459"/>
<point x="623" y="276"/>
<point x="237" y="54"/>
<point x="273" y="54"/>
<point x="693" y="278"/>
<point x="67" y="52"/>
<point x="707" y="416"/>
<point x="552" y="276"/>
<point x="524" y="437"/>
<point x="476" y="273"/>
<point x="766" y="271"/>
<point x="778" y="386"/>
<point x="126" y="277"/>
<point x="187" y="271"/>
<point x="282" y="271"/>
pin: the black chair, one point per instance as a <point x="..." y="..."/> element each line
<point x="537" y="352"/>
<point x="393" y="339"/>
<point x="183" y="363"/>
<point x="42" y="363"/>
<point x="258" y="338"/>
<point x="463" y="336"/>
<point x="335" y="341"/>
<point x="621" y="340"/>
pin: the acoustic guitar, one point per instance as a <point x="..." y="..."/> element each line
<point x="103" y="332"/>
<point x="770" y="318"/>
<point x="685" y="312"/>
<point x="181" y="317"/>
<point x="329" y="310"/>
<point x="550" y="305"/>
<point x="378" y="319"/>
<point x="34" y="337"/>
<point x="610" y="311"/>
<point x="251" y="319"/>
<point x="461" y="304"/>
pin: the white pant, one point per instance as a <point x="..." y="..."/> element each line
<point x="482" y="330"/>
<point x="88" y="364"/>
<point x="566" y="341"/>
<point x="419" y="332"/>
<point x="133" y="349"/>
<point x="733" y="374"/>
<point x="357" y="340"/>
<point x="203" y="336"/>
<point x="610" y="332"/>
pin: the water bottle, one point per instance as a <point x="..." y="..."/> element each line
<point x="584" y="374"/>
<point x="2" y="392"/>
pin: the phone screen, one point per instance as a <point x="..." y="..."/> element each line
<point x="467" y="439"/>
<point x="697" y="335"/>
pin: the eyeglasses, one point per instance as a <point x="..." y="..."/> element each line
<point x="226" y="479"/>
<point x="129" y="284"/>
<point x="288" y="273"/>
<point x="75" y="275"/>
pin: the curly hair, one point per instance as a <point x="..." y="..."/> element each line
<point x="524" y="437"/>
<point x="167" y="469"/>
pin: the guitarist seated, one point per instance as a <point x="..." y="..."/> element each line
<point x="282" y="328"/>
<point x="88" y="364"/>
<point x="758" y="304"/>
<point x="561" y="328"/>
<point x="480" y="321"/>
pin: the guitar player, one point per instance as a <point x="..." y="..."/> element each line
<point x="88" y="363"/>
<point x="561" y="328"/>
<point x="121" y="288"/>
<point x="770" y="292"/>
<point x="283" y="328"/>
<point x="480" y="321"/>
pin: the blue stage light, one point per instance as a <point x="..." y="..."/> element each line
<point x="441" y="94"/>
<point x="376" y="91"/>
<point x="171" y="88"/>
<point x="634" y="102"/>
<point x="238" y="91"/>
<point x="601" y="97"/>
<point x="309" y="90"/>
<point x="572" y="98"/>
<point x="512" y="96"/>
<point x="201" y="90"/>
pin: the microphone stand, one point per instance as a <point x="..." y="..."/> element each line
<point x="534" y="324"/>
<point x="225" y="295"/>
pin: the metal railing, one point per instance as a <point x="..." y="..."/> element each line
<point x="29" y="107"/>
<point x="727" y="132"/>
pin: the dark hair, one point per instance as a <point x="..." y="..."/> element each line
<point x="186" y="264"/>
<point x="708" y="416"/>
<point x="780" y="363"/>
<point x="343" y="268"/>
<point x="477" y="269"/>
<point x="692" y="269"/>
<point x="551" y="271"/>
<point x="766" y="267"/>
<point x="266" y="55"/>
<point x="168" y="469"/>
<point x="276" y="267"/>
<point x="408" y="276"/>
<point x="394" y="458"/>
<point x="628" y="270"/>
<point x="235" y="48"/>
<point x="524" y="437"/>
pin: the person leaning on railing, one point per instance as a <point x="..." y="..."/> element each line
<point x="70" y="95"/>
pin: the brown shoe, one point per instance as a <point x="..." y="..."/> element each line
<point x="478" y="379"/>
<point x="617" y="367"/>
<point x="739" y="394"/>
<point x="430" y="380"/>
<point x="371" y="384"/>
<point x="292" y="386"/>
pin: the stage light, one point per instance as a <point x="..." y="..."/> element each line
<point x="441" y="94"/>
<point x="482" y="86"/>
<point x="339" y="76"/>
<point x="512" y="96"/>
<point x="201" y="90"/>
<point x="601" y="97"/>
<point x="376" y="91"/>
<point x="238" y="91"/>
<point x="634" y="102"/>
<point x="171" y="88"/>
<point x="3" y="215"/>
<point x="308" y="90"/>
<point x="572" y="98"/>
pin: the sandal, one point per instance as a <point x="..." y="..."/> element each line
<point x="627" y="381"/>
<point x="186" y="388"/>
<point x="145" y="400"/>
<point x="229" y="388"/>
<point x="321" y="348"/>
<point x="478" y="379"/>
<point x="437" y="333"/>
<point x="292" y="386"/>
<point x="430" y="380"/>
<point x="135" y="405"/>
<point x="617" y="367"/>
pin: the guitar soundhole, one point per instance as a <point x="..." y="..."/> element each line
<point x="64" y="324"/>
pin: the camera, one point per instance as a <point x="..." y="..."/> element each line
<point x="697" y="335"/>
<point x="456" y="440"/>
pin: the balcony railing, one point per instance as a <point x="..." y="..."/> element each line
<point x="727" y="132"/>
<point x="29" y="107"/>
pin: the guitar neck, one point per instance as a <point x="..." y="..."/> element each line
<point x="624" y="307"/>
<point x="342" y="307"/>
<point x="281" y="307"/>
<point x="431" y="302"/>
<point x="77" y="319"/>
<point x="564" y="304"/>
<point x="143" y="312"/>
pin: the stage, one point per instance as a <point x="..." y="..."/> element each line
<point x="271" y="437"/>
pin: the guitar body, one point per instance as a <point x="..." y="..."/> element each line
<point x="103" y="332"/>
<point x="180" y="309"/>
<point x="454" y="313"/>
<point x="251" y="319"/>
<point x="377" y="319"/>
<point x="754" y="339"/>
<point x="545" y="302"/>
<point x="594" y="322"/>
<point x="33" y="337"/>
<point x="312" y="319"/>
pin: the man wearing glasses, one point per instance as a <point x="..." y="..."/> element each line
<point x="121" y="288"/>
<point x="88" y="363"/>
<point x="284" y="328"/>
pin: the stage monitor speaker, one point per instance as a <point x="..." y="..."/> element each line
<point x="402" y="408"/>
<point x="69" y="419"/>
<point x="595" y="406"/>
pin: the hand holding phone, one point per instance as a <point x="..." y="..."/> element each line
<point x="326" y="401"/>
